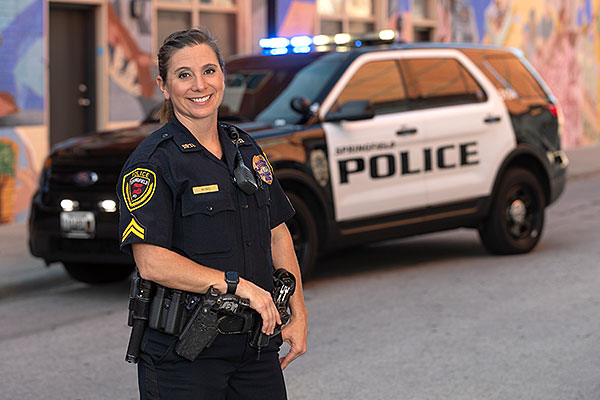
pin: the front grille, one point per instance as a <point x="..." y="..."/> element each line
<point x="63" y="171"/>
<point x="60" y="182"/>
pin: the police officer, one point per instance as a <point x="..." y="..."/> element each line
<point x="190" y="225"/>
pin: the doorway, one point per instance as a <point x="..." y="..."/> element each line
<point x="72" y="74"/>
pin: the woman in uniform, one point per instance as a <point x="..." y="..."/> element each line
<point x="190" y="225"/>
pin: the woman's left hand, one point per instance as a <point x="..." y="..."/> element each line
<point x="295" y="334"/>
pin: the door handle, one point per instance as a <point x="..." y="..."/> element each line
<point x="83" y="102"/>
<point x="406" y="131"/>
<point x="491" y="119"/>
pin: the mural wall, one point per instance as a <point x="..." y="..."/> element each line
<point x="132" y="90"/>
<point x="21" y="64"/>
<point x="21" y="104"/>
<point x="559" y="37"/>
<point x="296" y="17"/>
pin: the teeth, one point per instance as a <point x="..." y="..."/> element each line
<point x="200" y="99"/>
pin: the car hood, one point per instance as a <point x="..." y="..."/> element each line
<point x="107" y="143"/>
<point x="260" y="130"/>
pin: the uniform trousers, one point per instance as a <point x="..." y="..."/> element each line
<point x="228" y="370"/>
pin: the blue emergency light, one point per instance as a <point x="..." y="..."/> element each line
<point x="305" y="44"/>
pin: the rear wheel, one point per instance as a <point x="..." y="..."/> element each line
<point x="98" y="273"/>
<point x="303" y="230"/>
<point x="516" y="217"/>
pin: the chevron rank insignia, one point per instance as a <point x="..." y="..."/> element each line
<point x="134" y="228"/>
<point x="138" y="187"/>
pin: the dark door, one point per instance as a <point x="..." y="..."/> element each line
<point x="72" y="72"/>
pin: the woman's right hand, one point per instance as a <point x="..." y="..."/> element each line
<point x="262" y="302"/>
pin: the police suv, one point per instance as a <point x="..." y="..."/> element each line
<point x="371" y="139"/>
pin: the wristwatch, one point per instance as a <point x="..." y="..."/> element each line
<point x="232" y="278"/>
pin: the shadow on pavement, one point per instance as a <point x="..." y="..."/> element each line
<point x="398" y="253"/>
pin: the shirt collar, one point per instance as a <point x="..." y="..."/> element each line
<point x="183" y="138"/>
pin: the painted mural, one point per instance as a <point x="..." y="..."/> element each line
<point x="296" y="17"/>
<point x="559" y="37"/>
<point x="18" y="174"/>
<point x="132" y="90"/>
<point x="21" y="103"/>
<point x="21" y="74"/>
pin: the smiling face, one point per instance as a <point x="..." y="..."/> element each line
<point x="194" y="84"/>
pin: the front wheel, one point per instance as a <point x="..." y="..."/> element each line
<point x="98" y="273"/>
<point x="516" y="218"/>
<point x="303" y="230"/>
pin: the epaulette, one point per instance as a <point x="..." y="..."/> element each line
<point x="240" y="140"/>
<point x="145" y="149"/>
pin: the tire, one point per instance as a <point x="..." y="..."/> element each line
<point x="303" y="230"/>
<point x="99" y="273"/>
<point x="516" y="219"/>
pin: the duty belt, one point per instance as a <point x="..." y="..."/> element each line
<point x="171" y="310"/>
<point x="197" y="319"/>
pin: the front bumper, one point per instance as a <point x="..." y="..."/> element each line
<point x="48" y="242"/>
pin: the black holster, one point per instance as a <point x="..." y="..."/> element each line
<point x="168" y="311"/>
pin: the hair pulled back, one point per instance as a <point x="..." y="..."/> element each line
<point x="175" y="41"/>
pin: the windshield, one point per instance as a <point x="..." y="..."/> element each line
<point x="309" y="82"/>
<point x="261" y="87"/>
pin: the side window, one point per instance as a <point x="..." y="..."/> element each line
<point x="380" y="83"/>
<point x="436" y="82"/>
<point x="514" y="79"/>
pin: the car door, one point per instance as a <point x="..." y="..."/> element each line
<point x="464" y="123"/>
<point x="375" y="163"/>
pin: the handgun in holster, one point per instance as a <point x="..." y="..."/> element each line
<point x="201" y="329"/>
<point x="284" y="286"/>
<point x="140" y="297"/>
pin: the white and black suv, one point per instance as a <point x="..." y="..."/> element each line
<point x="369" y="143"/>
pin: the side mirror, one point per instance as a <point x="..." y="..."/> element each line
<point x="351" y="111"/>
<point x="301" y="105"/>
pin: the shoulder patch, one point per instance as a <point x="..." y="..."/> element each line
<point x="138" y="187"/>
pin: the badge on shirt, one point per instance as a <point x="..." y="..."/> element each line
<point x="262" y="167"/>
<point x="138" y="187"/>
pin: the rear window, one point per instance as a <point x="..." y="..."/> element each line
<point x="514" y="78"/>
<point x="436" y="82"/>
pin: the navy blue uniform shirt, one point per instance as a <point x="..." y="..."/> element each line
<point x="175" y="194"/>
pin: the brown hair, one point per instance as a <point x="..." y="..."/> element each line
<point x="175" y="41"/>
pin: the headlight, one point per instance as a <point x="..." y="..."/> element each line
<point x="108" y="206"/>
<point x="69" y="205"/>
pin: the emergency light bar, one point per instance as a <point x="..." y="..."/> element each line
<point x="305" y="44"/>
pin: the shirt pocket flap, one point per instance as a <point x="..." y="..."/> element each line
<point x="207" y="204"/>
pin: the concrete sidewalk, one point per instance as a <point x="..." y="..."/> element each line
<point x="583" y="162"/>
<point x="20" y="271"/>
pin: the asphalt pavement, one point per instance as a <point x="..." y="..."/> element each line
<point x="21" y="272"/>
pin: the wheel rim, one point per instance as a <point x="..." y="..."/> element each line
<point x="522" y="213"/>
